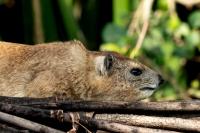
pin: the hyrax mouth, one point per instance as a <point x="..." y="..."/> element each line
<point x="147" y="88"/>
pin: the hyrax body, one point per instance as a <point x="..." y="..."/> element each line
<point x="69" y="70"/>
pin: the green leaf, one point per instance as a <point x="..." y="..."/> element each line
<point x="113" y="33"/>
<point x="150" y="43"/>
<point x="195" y="84"/>
<point x="121" y="12"/>
<point x="194" y="92"/>
<point x="167" y="49"/>
<point x="165" y="93"/>
<point x="113" y="47"/>
<point x="184" y="51"/>
<point x="156" y="33"/>
<point x="174" y="64"/>
<point x="162" y="4"/>
<point x="170" y="94"/>
<point x="194" y="89"/>
<point x="182" y="31"/>
<point x="194" y="19"/>
<point x="193" y="39"/>
<point x="173" y="22"/>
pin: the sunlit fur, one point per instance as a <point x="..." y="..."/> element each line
<point x="69" y="70"/>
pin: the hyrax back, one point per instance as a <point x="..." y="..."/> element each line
<point x="69" y="70"/>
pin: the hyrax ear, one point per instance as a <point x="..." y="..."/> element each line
<point x="104" y="64"/>
<point x="108" y="62"/>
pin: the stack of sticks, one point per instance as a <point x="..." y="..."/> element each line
<point x="50" y="115"/>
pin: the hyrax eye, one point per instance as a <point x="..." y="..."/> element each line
<point x="136" y="71"/>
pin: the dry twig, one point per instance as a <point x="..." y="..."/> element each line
<point x="141" y="16"/>
<point x="27" y="124"/>
<point x="24" y="111"/>
<point x="7" y="129"/>
<point x="140" y="40"/>
<point x="170" y="123"/>
<point x="106" y="125"/>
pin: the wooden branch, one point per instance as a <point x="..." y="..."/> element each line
<point x="120" y="128"/>
<point x="59" y="115"/>
<point x="26" y="124"/>
<point x="7" y="129"/>
<point x="106" y="125"/>
<point x="148" y="108"/>
<point x="26" y="107"/>
<point x="25" y="111"/>
<point x="170" y="123"/>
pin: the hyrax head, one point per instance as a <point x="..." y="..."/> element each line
<point x="122" y="79"/>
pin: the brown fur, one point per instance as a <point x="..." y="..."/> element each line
<point x="69" y="70"/>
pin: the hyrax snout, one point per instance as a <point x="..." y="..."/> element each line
<point x="69" y="70"/>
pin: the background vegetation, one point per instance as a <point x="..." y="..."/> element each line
<point x="165" y="34"/>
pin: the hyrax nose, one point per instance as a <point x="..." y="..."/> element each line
<point x="161" y="80"/>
